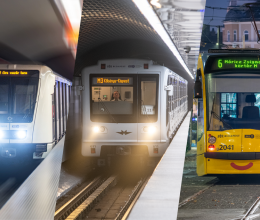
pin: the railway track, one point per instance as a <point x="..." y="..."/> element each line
<point x="83" y="203"/>
<point x="251" y="213"/>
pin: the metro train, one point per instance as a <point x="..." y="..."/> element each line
<point x="130" y="107"/>
<point x="34" y="103"/>
<point x="228" y="119"/>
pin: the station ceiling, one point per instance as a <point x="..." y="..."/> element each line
<point x="117" y="29"/>
<point x="33" y="31"/>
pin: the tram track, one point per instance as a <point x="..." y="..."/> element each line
<point x="251" y="213"/>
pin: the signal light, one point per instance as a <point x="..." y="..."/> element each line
<point x="93" y="150"/>
<point x="146" y="66"/>
<point x="103" y="66"/>
<point x="155" y="150"/>
<point x="211" y="147"/>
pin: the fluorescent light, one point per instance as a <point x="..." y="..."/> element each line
<point x="73" y="11"/>
<point x="156" y="3"/>
<point x="153" y="19"/>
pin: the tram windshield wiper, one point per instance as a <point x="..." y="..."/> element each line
<point x="106" y="109"/>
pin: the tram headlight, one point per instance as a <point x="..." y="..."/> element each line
<point x="20" y="134"/>
<point x="150" y="129"/>
<point x="211" y="147"/>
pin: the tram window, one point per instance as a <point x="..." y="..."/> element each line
<point x="233" y="101"/>
<point x="4" y="91"/>
<point x="229" y="104"/>
<point x="24" y="95"/>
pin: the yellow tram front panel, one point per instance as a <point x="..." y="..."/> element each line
<point x="218" y="166"/>
<point x="226" y="141"/>
<point x="233" y="141"/>
<point x="250" y="140"/>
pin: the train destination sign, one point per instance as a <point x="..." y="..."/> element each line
<point x="107" y="81"/>
<point x="225" y="63"/>
<point x="13" y="72"/>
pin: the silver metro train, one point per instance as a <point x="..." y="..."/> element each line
<point x="130" y="107"/>
<point x="34" y="105"/>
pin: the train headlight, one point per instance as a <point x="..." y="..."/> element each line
<point x="1" y="134"/>
<point x="150" y="129"/>
<point x="21" y="134"/>
<point x="95" y="129"/>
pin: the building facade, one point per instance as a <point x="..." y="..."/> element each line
<point x="238" y="31"/>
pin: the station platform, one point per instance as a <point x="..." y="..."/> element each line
<point x="36" y="197"/>
<point x="160" y="197"/>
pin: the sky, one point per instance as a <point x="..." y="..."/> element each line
<point x="215" y="16"/>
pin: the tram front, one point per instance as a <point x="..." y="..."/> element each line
<point x="231" y="98"/>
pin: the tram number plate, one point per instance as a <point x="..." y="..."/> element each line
<point x="225" y="147"/>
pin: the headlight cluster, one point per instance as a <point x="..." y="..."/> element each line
<point x="13" y="134"/>
<point x="149" y="129"/>
<point x="97" y="129"/>
<point x="20" y="134"/>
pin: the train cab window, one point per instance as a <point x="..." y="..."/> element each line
<point x="4" y="91"/>
<point x="24" y="96"/>
<point x="113" y="99"/>
<point x="18" y="97"/>
<point x="148" y="98"/>
<point x="233" y="101"/>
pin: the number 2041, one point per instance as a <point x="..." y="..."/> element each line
<point x="225" y="147"/>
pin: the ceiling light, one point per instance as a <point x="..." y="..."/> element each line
<point x="156" y="3"/>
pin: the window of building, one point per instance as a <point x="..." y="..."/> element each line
<point x="246" y="35"/>
<point x="235" y="35"/>
<point x="228" y="36"/>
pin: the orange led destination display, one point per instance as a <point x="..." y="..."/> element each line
<point x="112" y="81"/>
<point x="13" y="72"/>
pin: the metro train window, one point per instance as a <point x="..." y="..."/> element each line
<point x="18" y="94"/>
<point x="4" y="95"/>
<point x="24" y="95"/>
<point x="148" y="98"/>
<point x="112" y="95"/>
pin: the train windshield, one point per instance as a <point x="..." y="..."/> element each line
<point x="18" y="98"/>
<point x="233" y="101"/>
<point x="114" y="98"/>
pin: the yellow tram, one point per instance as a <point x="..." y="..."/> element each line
<point x="228" y="135"/>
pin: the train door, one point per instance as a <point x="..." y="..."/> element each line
<point x="63" y="108"/>
<point x="60" y="109"/>
<point x="53" y="116"/>
<point x="57" y="111"/>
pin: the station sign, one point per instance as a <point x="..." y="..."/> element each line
<point x="18" y="72"/>
<point x="109" y="81"/>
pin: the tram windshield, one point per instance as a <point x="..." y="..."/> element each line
<point x="233" y="101"/>
<point x="114" y="98"/>
<point x="18" y="98"/>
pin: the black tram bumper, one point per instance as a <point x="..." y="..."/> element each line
<point x="233" y="156"/>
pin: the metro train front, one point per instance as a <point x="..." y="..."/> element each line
<point x="27" y="112"/>
<point x="130" y="107"/>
